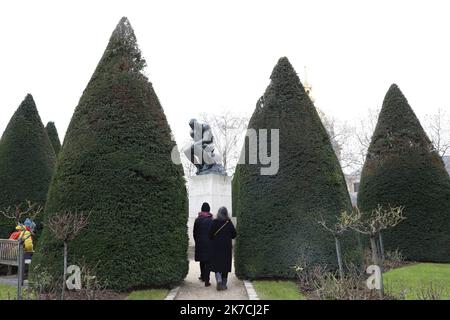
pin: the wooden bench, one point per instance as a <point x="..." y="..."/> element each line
<point x="9" y="250"/>
<point x="12" y="254"/>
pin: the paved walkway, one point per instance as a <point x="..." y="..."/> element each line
<point x="9" y="280"/>
<point x="194" y="289"/>
<point x="191" y="288"/>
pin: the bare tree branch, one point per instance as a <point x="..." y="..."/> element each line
<point x="350" y="142"/>
<point x="374" y="222"/>
<point x="31" y="210"/>
<point x="336" y="230"/>
<point x="67" y="225"/>
<point x="438" y="128"/>
<point x="229" y="132"/>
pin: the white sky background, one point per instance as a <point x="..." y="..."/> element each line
<point x="213" y="55"/>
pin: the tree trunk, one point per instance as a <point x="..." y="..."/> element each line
<point x="376" y="261"/>
<point x="380" y="240"/>
<point x="65" y="271"/>
<point x="225" y="160"/>
<point x="374" y="249"/>
<point x="339" y="256"/>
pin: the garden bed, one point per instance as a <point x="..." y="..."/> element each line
<point x="410" y="281"/>
<point x="9" y="292"/>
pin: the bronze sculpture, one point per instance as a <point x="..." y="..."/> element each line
<point x="201" y="152"/>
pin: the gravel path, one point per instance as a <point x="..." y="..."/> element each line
<point x="9" y="280"/>
<point x="194" y="289"/>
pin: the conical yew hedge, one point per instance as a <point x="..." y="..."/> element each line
<point x="27" y="162"/>
<point x="403" y="169"/>
<point x="278" y="214"/>
<point x="116" y="164"/>
<point x="53" y="136"/>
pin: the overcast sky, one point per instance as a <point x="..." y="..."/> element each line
<point x="212" y="55"/>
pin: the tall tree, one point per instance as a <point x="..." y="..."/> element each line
<point x="53" y="135"/>
<point x="363" y="131"/>
<point x="403" y="168"/>
<point x="27" y="161"/>
<point x="278" y="213"/>
<point x="116" y="164"/>
<point x="438" y="127"/>
<point x="340" y="136"/>
<point x="228" y="129"/>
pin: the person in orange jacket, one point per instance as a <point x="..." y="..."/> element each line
<point x="25" y="233"/>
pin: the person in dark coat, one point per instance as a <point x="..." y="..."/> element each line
<point x="221" y="233"/>
<point x="203" y="245"/>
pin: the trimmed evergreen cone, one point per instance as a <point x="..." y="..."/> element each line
<point x="54" y="138"/>
<point x="278" y="214"/>
<point x="116" y="164"/>
<point x="27" y="162"/>
<point x="402" y="168"/>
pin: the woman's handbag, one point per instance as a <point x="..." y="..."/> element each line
<point x="215" y="234"/>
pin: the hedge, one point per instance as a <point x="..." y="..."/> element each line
<point x="27" y="162"/>
<point x="116" y="164"/>
<point x="53" y="135"/>
<point x="278" y="214"/>
<point x="402" y="168"/>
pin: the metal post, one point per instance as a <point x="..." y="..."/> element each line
<point x="339" y="257"/>
<point x="20" y="268"/>
<point x="65" y="271"/>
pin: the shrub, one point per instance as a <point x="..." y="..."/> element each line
<point x="53" y="136"/>
<point x="116" y="164"/>
<point x="402" y="168"/>
<point x="278" y="214"/>
<point x="27" y="162"/>
<point x="393" y="259"/>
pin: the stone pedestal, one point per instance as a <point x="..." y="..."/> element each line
<point x="212" y="188"/>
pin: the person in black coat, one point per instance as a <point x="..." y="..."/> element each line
<point x="203" y="245"/>
<point x="221" y="233"/>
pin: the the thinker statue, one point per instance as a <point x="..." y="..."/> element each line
<point x="201" y="152"/>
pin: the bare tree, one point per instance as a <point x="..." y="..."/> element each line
<point x="337" y="230"/>
<point x="65" y="227"/>
<point x="372" y="224"/>
<point x="188" y="167"/>
<point x="350" y="141"/>
<point x="30" y="210"/>
<point x="229" y="131"/>
<point x="363" y="131"/>
<point x="438" y="127"/>
<point x="339" y="133"/>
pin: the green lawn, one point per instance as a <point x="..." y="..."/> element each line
<point x="7" y="292"/>
<point x="151" y="294"/>
<point x="416" y="279"/>
<point x="277" y="290"/>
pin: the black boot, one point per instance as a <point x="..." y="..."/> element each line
<point x="224" y="284"/>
